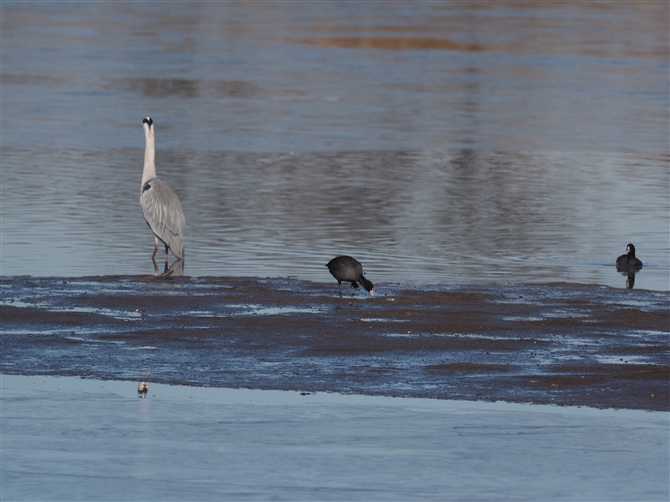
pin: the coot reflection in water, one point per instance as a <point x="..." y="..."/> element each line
<point x="629" y="265"/>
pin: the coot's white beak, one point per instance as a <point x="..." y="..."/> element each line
<point x="372" y="293"/>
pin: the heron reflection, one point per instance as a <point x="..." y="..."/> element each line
<point x="175" y="270"/>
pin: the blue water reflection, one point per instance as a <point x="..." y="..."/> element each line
<point x="434" y="142"/>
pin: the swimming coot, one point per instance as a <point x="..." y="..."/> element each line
<point x="628" y="261"/>
<point x="345" y="268"/>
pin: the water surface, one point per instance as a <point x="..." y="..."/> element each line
<point x="238" y="444"/>
<point x="437" y="143"/>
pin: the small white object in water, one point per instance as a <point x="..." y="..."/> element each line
<point x="143" y="388"/>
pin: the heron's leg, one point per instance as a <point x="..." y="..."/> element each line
<point x="339" y="283"/>
<point x="354" y="285"/>
<point x="166" y="268"/>
<point x="155" y="249"/>
<point x="166" y="257"/>
<point x="155" y="266"/>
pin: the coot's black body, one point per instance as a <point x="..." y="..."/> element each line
<point x="345" y="268"/>
<point x="628" y="261"/>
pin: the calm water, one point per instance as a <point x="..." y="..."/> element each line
<point x="238" y="444"/>
<point x="466" y="143"/>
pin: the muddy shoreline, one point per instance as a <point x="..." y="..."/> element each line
<point x="563" y="344"/>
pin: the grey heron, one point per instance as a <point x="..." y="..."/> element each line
<point x="160" y="205"/>
<point x="345" y="268"/>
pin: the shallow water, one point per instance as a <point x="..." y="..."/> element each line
<point x="439" y="143"/>
<point x="223" y="444"/>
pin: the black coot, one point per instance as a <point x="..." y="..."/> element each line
<point x="345" y="268"/>
<point x="627" y="261"/>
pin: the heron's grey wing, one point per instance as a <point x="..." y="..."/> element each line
<point x="164" y="214"/>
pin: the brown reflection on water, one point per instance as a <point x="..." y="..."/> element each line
<point x="189" y="88"/>
<point x="405" y="43"/>
<point x="601" y="29"/>
<point x="18" y="79"/>
<point x="161" y="87"/>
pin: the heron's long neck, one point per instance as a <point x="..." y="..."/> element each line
<point x="149" y="159"/>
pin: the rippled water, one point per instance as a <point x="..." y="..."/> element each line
<point x="437" y="143"/>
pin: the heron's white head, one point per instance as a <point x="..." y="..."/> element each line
<point x="148" y="125"/>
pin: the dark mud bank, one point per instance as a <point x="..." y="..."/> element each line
<point x="557" y="343"/>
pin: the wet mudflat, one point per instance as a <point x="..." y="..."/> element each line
<point x="563" y="344"/>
